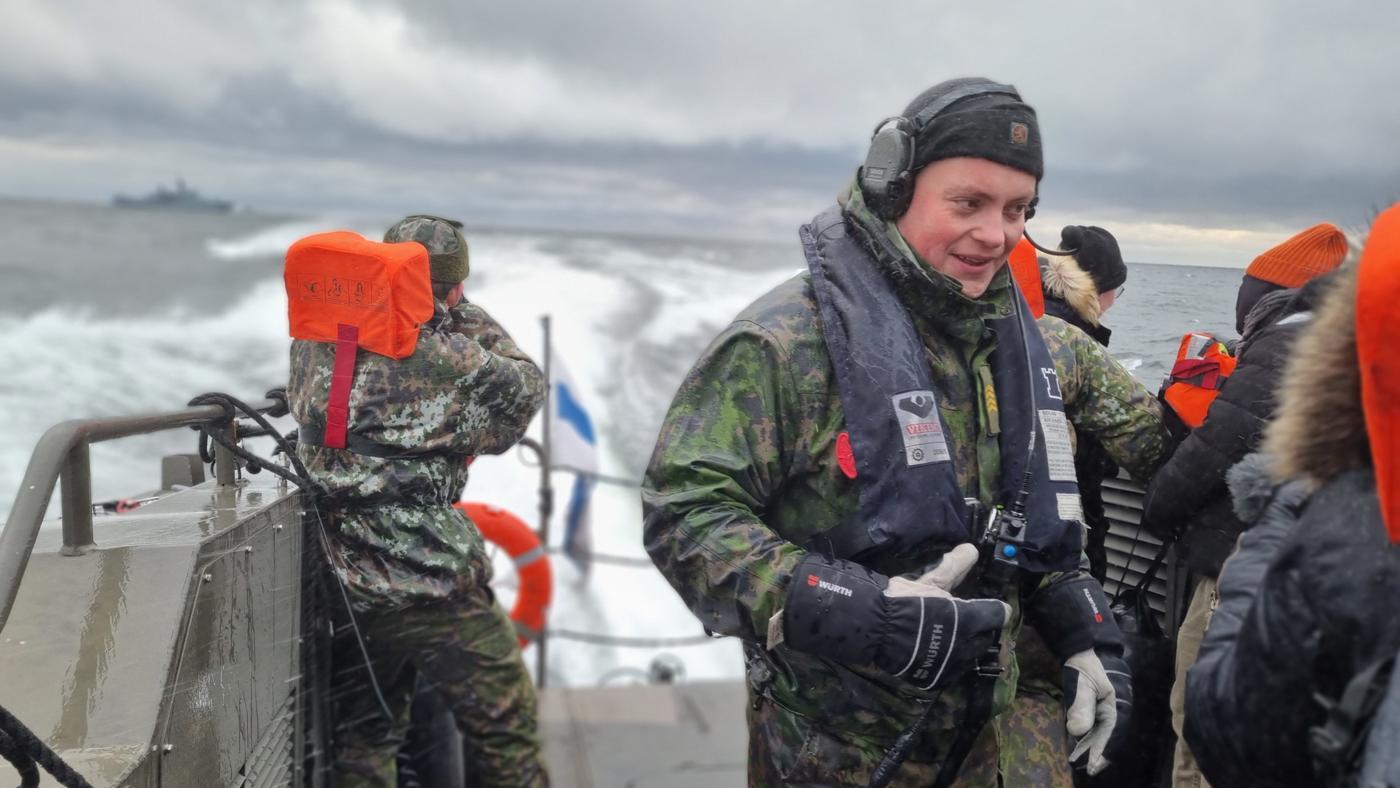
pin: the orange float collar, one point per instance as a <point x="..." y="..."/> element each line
<point x="356" y="293"/>
<point x="1025" y="269"/>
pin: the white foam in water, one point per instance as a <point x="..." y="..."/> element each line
<point x="64" y="366"/>
<point x="273" y="241"/>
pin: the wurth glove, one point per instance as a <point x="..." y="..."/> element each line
<point x="913" y="629"/>
<point x="1072" y="615"/>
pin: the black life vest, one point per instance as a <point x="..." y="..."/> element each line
<point x="909" y="493"/>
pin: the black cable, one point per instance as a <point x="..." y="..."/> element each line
<point x="18" y="758"/>
<point x="298" y="476"/>
<point x="354" y="625"/>
<point x="1123" y="577"/>
<point x="1018" y="507"/>
<point x="898" y="752"/>
<point x="33" y="750"/>
<point x="262" y="421"/>
<point x="304" y="480"/>
<point x="1055" y="252"/>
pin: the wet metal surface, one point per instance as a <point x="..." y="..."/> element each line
<point x="679" y="736"/>
<point x="123" y="648"/>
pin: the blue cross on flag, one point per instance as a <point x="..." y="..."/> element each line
<point x="573" y="445"/>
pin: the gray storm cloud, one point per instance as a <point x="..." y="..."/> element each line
<point x="727" y="118"/>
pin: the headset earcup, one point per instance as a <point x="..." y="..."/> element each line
<point x="885" y="178"/>
<point x="901" y="191"/>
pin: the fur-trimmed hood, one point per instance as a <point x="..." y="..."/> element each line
<point x="1064" y="280"/>
<point x="1320" y="430"/>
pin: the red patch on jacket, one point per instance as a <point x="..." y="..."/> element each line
<point x="845" y="456"/>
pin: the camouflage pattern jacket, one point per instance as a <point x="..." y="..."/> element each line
<point x="745" y="472"/>
<point x="466" y="390"/>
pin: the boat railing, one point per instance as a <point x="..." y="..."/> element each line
<point x="63" y="454"/>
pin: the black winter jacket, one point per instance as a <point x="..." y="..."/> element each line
<point x="1306" y="603"/>
<point x="1188" y="495"/>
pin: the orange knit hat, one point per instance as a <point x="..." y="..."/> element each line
<point x="1312" y="252"/>
<point x="1377" y="325"/>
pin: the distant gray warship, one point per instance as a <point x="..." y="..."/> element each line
<point x="181" y="198"/>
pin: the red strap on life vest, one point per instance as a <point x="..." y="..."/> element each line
<point x="347" y="341"/>
<point x="1203" y="372"/>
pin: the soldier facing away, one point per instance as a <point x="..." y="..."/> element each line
<point x="827" y="461"/>
<point x="414" y="568"/>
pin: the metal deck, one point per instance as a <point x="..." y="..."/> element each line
<point x="648" y="735"/>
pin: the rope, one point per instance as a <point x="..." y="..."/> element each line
<point x="598" y="477"/>
<point x="620" y="481"/>
<point x="628" y="642"/>
<point x="28" y="750"/>
<point x="603" y="558"/>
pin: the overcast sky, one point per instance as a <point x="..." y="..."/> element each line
<point x="1196" y="131"/>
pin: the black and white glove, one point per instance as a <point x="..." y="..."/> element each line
<point x="1073" y="617"/>
<point x="911" y="628"/>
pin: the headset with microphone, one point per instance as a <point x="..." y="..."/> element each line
<point x="887" y="178"/>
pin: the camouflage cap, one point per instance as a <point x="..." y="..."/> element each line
<point x="447" y="248"/>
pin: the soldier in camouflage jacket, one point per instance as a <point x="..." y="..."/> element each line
<point x="414" y="567"/>
<point x="747" y="476"/>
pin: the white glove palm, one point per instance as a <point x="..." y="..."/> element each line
<point x="950" y="571"/>
<point x="1092" y="716"/>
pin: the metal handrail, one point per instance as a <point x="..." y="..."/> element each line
<point x="63" y="452"/>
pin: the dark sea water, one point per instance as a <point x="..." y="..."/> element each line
<point x="107" y="312"/>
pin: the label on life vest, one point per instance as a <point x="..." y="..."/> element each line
<point x="924" y="443"/>
<point x="1069" y="507"/>
<point x="1059" y="452"/>
<point x="1195" y="343"/>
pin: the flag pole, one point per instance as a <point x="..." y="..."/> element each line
<point x="546" y="489"/>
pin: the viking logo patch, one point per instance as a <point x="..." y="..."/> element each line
<point x="1052" y="383"/>
<point x="1020" y="133"/>
<point x="920" y="428"/>
<point x="917" y="404"/>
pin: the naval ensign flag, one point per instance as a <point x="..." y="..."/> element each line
<point x="574" y="446"/>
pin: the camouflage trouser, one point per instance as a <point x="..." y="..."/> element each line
<point x="1024" y="746"/>
<point x="467" y="650"/>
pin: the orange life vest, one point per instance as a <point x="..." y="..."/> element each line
<point x="356" y="293"/>
<point x="1202" y="366"/>
<point x="531" y="562"/>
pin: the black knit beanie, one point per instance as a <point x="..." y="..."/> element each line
<point x="1096" y="251"/>
<point x="993" y="126"/>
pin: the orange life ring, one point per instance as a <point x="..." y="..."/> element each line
<point x="531" y="562"/>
